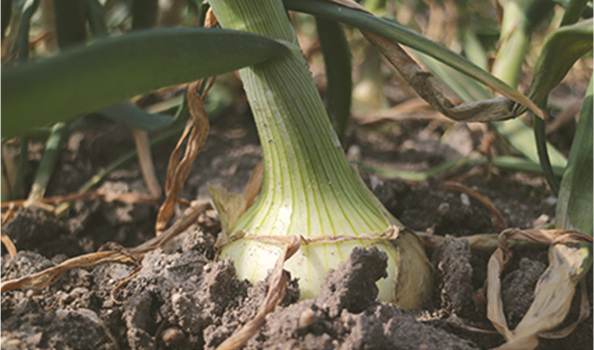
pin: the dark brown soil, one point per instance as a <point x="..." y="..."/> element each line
<point x="182" y="299"/>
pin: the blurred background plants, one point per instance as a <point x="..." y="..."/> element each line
<point x="485" y="34"/>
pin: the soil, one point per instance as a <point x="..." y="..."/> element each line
<point x="182" y="298"/>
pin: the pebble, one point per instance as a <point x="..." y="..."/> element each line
<point x="172" y="335"/>
<point x="443" y="208"/>
<point x="464" y="199"/>
<point x="62" y="314"/>
<point x="552" y="200"/>
<point x="307" y="318"/>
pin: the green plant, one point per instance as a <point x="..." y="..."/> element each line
<point x="309" y="189"/>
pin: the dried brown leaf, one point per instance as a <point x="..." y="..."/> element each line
<point x="145" y="159"/>
<point x="584" y="314"/>
<point x="230" y="206"/>
<point x="10" y="247"/>
<point x="210" y="20"/>
<point x="178" y="170"/>
<point x="428" y="87"/>
<point x="554" y="290"/>
<point x="45" y="278"/>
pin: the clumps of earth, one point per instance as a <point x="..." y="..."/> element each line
<point x="177" y="297"/>
<point x="183" y="300"/>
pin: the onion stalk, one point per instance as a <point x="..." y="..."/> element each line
<point x="309" y="189"/>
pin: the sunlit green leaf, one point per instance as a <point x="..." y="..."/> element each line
<point x="561" y="50"/>
<point x="574" y="205"/>
<point x="504" y="162"/>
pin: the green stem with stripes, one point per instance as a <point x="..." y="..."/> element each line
<point x="309" y="188"/>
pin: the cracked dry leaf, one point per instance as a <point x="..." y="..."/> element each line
<point x="428" y="87"/>
<point x="554" y="290"/>
<point x="178" y="169"/>
<point x="229" y="205"/>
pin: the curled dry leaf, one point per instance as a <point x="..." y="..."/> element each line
<point x="45" y="278"/>
<point x="178" y="170"/>
<point x="230" y="206"/>
<point x="10" y="247"/>
<point x="554" y="290"/>
<point x="428" y="87"/>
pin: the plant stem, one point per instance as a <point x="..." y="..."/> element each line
<point x="309" y="188"/>
<point x="302" y="155"/>
<point x="48" y="162"/>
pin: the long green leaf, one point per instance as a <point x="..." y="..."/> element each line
<point x="48" y="162"/>
<point x="337" y="59"/>
<point x="135" y="117"/>
<point x="551" y="68"/>
<point x="561" y="50"/>
<point x="521" y="137"/>
<point x="574" y="205"/>
<point x="22" y="168"/>
<point x="504" y="162"/>
<point x="115" y="69"/>
<point x="18" y="40"/>
<point x="573" y="11"/>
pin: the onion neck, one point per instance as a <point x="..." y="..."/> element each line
<point x="309" y="187"/>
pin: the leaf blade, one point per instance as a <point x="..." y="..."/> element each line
<point x="115" y="69"/>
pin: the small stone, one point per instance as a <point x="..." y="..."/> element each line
<point x="464" y="199"/>
<point x="307" y="318"/>
<point x="62" y="314"/>
<point x="35" y="339"/>
<point x="443" y="208"/>
<point x="552" y="200"/>
<point x="172" y="336"/>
